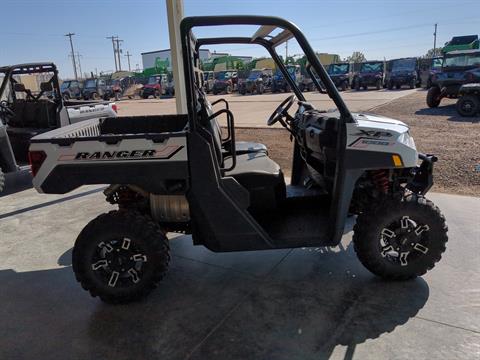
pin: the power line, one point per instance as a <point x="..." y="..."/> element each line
<point x="73" y="55"/>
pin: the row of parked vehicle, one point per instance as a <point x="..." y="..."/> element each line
<point x="411" y="72"/>
<point x="97" y="88"/>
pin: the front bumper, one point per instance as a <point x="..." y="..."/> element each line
<point x="423" y="175"/>
<point x="401" y="79"/>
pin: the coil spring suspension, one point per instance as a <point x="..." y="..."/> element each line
<point x="380" y="179"/>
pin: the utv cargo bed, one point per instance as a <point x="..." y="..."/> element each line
<point x="109" y="150"/>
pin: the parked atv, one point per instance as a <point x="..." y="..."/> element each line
<point x="279" y="83"/>
<point x="428" y="69"/>
<point x="458" y="68"/>
<point x="402" y="72"/>
<point x="180" y="173"/>
<point x="223" y="83"/>
<point x="97" y="89"/>
<point x="208" y="81"/>
<point x="71" y="89"/>
<point x="257" y="82"/>
<point x="340" y="74"/>
<point x="370" y="74"/>
<point x="468" y="103"/>
<point x="154" y="86"/>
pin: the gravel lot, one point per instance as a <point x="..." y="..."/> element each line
<point x="455" y="140"/>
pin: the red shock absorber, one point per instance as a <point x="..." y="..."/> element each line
<point x="380" y="179"/>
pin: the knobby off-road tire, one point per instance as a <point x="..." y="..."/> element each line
<point x="120" y="256"/>
<point x="2" y="180"/>
<point x="393" y="251"/>
<point x="468" y="105"/>
<point x="432" y="97"/>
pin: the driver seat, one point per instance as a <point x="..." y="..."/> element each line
<point x="254" y="170"/>
<point x="241" y="147"/>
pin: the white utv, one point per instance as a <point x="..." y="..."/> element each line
<point x="182" y="173"/>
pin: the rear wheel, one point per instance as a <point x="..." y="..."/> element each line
<point x="378" y="84"/>
<point x="433" y="97"/>
<point x="398" y="86"/>
<point x="229" y="89"/>
<point x="343" y="87"/>
<point x="400" y="239"/>
<point x="468" y="105"/>
<point x="413" y="83"/>
<point x="390" y="85"/>
<point x="120" y="256"/>
<point x="357" y="84"/>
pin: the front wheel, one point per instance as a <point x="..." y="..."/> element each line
<point x="433" y="97"/>
<point x="468" y="105"/>
<point x="400" y="240"/>
<point x="120" y="256"/>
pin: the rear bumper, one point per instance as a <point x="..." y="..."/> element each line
<point x="423" y="175"/>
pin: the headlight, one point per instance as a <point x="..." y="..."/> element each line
<point x="407" y="140"/>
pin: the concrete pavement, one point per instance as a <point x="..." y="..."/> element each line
<point x="254" y="110"/>
<point x="314" y="303"/>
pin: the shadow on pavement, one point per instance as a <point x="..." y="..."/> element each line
<point x="207" y="312"/>
<point x="449" y="112"/>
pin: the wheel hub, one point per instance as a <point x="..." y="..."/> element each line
<point x="403" y="241"/>
<point x="118" y="262"/>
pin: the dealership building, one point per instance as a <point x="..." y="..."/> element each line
<point x="150" y="58"/>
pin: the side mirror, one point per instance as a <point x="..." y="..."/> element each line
<point x="19" y="87"/>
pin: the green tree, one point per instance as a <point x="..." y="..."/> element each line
<point x="356" y="57"/>
<point x="433" y="53"/>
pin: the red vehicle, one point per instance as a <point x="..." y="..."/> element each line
<point x="153" y="87"/>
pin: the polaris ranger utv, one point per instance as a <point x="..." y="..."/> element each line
<point x="180" y="173"/>
<point x="458" y="68"/>
<point x="340" y="74"/>
<point x="402" y="72"/>
<point x="370" y="74"/>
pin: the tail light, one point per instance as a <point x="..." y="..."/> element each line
<point x="36" y="159"/>
<point x="114" y="108"/>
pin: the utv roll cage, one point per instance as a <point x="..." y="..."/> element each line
<point x="32" y="68"/>
<point x="267" y="25"/>
<point x="199" y="162"/>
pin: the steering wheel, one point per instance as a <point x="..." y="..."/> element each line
<point x="4" y="108"/>
<point x="281" y="110"/>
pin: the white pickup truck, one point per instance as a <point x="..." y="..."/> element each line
<point x="28" y="113"/>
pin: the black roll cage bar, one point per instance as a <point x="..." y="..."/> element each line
<point x="31" y="68"/>
<point x="267" y="25"/>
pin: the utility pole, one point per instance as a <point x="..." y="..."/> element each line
<point x="118" y="53"/>
<point x="73" y="55"/>
<point x="435" y="40"/>
<point x="114" y="50"/>
<point x="286" y="51"/>
<point x="79" y="65"/>
<point x="128" y="57"/>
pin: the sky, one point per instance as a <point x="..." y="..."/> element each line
<point x="33" y="30"/>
